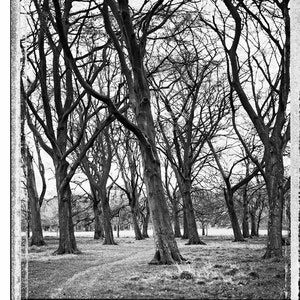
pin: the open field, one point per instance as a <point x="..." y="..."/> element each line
<point x="220" y="270"/>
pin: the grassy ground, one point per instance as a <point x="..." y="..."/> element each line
<point x="220" y="270"/>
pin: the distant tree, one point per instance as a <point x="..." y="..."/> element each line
<point x="208" y="207"/>
<point x="230" y="189"/>
<point x="96" y="165"/>
<point x="128" y="157"/>
<point x="145" y="215"/>
<point x="172" y="194"/>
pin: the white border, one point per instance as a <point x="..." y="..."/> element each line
<point x="295" y="145"/>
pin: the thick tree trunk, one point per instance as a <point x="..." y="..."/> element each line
<point x="99" y="232"/>
<point x="245" y="224"/>
<point x="36" y="225"/>
<point x="177" y="231"/>
<point x="238" y="237"/>
<point x="167" y="251"/>
<point x="67" y="242"/>
<point x="275" y="189"/>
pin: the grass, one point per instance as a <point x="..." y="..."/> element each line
<point x="220" y="270"/>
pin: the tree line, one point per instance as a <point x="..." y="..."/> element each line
<point x="182" y="105"/>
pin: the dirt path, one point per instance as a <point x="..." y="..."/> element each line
<point x="103" y="277"/>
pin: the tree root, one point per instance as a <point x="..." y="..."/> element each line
<point x="39" y="244"/>
<point x="272" y="254"/>
<point x="193" y="241"/>
<point x="109" y="243"/>
<point x="158" y="260"/>
<point x="69" y="251"/>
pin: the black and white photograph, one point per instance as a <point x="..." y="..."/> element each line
<point x="155" y="149"/>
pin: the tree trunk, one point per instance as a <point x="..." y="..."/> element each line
<point x="203" y="229"/>
<point x="134" y="215"/>
<point x="67" y="242"/>
<point x="167" y="251"/>
<point x="185" y="225"/>
<point x="98" y="233"/>
<point x="36" y="225"/>
<point x="245" y="224"/>
<point x="275" y="189"/>
<point x="254" y="231"/>
<point x="136" y="228"/>
<point x="238" y="237"/>
<point x="177" y="231"/>
<point x="146" y="222"/>
<point x="190" y="216"/>
<point x="108" y="232"/>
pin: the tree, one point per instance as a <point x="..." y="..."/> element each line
<point x="167" y="251"/>
<point x="96" y="166"/>
<point x="257" y="26"/>
<point x="172" y="195"/>
<point x="128" y="156"/>
<point x="190" y="107"/>
<point x="229" y="190"/>
<point x="52" y="106"/>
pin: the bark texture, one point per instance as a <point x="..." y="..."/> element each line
<point x="67" y="242"/>
<point x="99" y="231"/>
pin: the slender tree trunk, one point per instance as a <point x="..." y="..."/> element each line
<point x="275" y="189"/>
<point x="245" y="224"/>
<point x="193" y="235"/>
<point x="108" y="232"/>
<point x="134" y="215"/>
<point x="146" y="222"/>
<point x="67" y="242"/>
<point x="203" y="229"/>
<point x="238" y="237"/>
<point x="254" y="231"/>
<point x="177" y="231"/>
<point x="136" y="228"/>
<point x="35" y="219"/>
<point x="185" y="224"/>
<point x="99" y="232"/>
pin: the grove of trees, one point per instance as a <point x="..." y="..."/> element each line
<point x="171" y="113"/>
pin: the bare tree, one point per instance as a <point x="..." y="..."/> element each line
<point x="125" y="44"/>
<point x="97" y="165"/>
<point x="128" y="155"/>
<point x="190" y="105"/>
<point x="259" y="52"/>
<point x="52" y="107"/>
